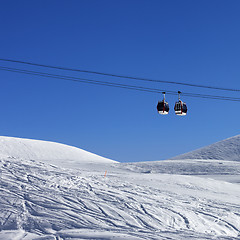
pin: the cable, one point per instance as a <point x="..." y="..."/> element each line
<point x="112" y="84"/>
<point x="119" y="76"/>
<point x="132" y="87"/>
<point x="85" y="80"/>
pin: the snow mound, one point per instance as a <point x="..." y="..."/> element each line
<point x="228" y="149"/>
<point x="55" y="153"/>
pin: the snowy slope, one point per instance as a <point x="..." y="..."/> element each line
<point x="219" y="169"/>
<point x="228" y="149"/>
<point x="134" y="201"/>
<point x="55" y="153"/>
<point x="38" y="200"/>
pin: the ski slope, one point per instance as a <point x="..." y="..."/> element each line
<point x="152" y="200"/>
<point x="228" y="149"/>
<point x="51" y="152"/>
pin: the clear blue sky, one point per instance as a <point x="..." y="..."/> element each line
<point x="188" y="41"/>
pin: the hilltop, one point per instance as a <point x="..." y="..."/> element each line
<point x="228" y="149"/>
<point x="55" y="153"/>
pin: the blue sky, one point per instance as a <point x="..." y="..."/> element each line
<point x="187" y="41"/>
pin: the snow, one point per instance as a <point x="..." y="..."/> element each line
<point x="228" y="149"/>
<point x="180" y="199"/>
<point x="216" y="169"/>
<point x="55" y="153"/>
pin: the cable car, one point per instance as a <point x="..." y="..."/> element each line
<point x="163" y="107"/>
<point x="180" y="107"/>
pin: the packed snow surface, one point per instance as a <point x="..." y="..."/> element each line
<point x="181" y="199"/>
<point x="228" y="149"/>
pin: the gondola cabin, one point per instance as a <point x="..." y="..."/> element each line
<point x="163" y="107"/>
<point x="180" y="108"/>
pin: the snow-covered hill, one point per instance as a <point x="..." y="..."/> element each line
<point x="228" y="149"/>
<point x="219" y="169"/>
<point x="54" y="153"/>
<point x="150" y="201"/>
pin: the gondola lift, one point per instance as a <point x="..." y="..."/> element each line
<point x="180" y="107"/>
<point x="162" y="106"/>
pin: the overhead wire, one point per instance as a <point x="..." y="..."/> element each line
<point x="114" y="84"/>
<point x="120" y="76"/>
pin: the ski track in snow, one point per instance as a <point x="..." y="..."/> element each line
<point x="41" y="201"/>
